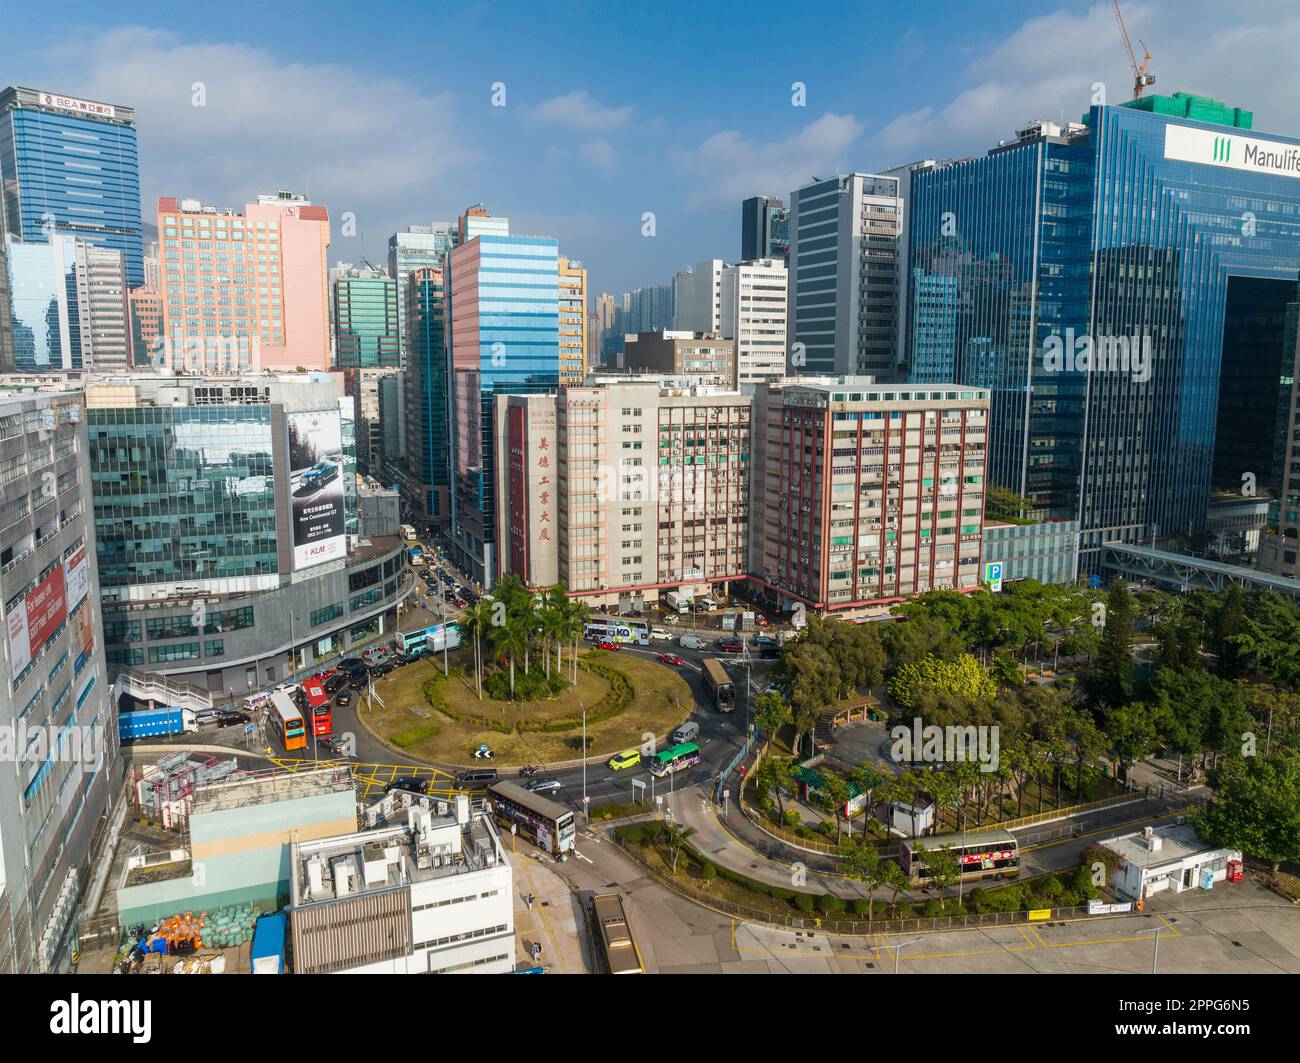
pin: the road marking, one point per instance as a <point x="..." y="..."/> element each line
<point x="581" y="857"/>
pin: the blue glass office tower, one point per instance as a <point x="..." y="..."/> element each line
<point x="1133" y="225"/>
<point x="503" y="306"/>
<point x="72" y="164"/>
<point x="40" y="305"/>
<point x="427" y="444"/>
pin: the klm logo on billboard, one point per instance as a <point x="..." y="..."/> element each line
<point x="1223" y="149"/>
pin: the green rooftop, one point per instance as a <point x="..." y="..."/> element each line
<point x="1197" y="108"/>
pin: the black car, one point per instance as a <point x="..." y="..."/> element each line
<point x="352" y="665"/>
<point x="334" y="683"/>
<point x="343" y="700"/>
<point x="411" y="783"/>
<point x="727" y="645"/>
<point x="381" y="670"/>
<point x="231" y="719"/>
<point x="769" y="653"/>
<point x="357" y="684"/>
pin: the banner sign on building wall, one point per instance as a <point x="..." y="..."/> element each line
<point x="316" y="501"/>
<point x="36" y="618"/>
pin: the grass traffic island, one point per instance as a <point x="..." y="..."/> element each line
<point x="440" y="718"/>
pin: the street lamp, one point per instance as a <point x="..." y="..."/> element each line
<point x="899" y="948"/>
<point x="1155" y="951"/>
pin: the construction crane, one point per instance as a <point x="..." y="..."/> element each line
<point x="1141" y="79"/>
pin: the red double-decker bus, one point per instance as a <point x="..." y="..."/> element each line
<point x="318" y="711"/>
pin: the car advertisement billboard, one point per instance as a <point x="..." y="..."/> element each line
<point x="33" y="620"/>
<point x="316" y="488"/>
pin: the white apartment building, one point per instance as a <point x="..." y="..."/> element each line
<point x="431" y="896"/>
<point x="697" y="298"/>
<point x="753" y="315"/>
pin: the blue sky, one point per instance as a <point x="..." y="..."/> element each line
<point x="612" y="109"/>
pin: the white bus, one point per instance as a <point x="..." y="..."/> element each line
<point x="617" y="629"/>
<point x="408" y="533"/>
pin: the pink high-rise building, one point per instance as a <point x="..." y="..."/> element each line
<point x="245" y="291"/>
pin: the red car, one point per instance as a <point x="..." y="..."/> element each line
<point x="670" y="658"/>
<point x="602" y="645"/>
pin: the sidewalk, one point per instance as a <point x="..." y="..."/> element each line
<point x="751" y="853"/>
<point x="554" y="921"/>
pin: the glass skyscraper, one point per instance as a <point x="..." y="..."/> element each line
<point x="365" y="320"/>
<point x="1129" y="235"/>
<point x="503" y="305"/>
<point x="71" y="166"/>
<point x="182" y="494"/>
<point x="41" y="304"/>
<point x="427" y="444"/>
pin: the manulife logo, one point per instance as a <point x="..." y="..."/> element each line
<point x="1223" y="149"/>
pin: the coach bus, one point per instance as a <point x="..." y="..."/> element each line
<point x="546" y="823"/>
<point x="618" y="950"/>
<point x="287" y="722"/>
<point x="617" y="629"/>
<point x="675" y="758"/>
<point x="719" y="685"/>
<point x="988" y="854"/>
<point x="318" y="708"/>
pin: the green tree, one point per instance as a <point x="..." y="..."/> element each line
<point x="1109" y="677"/>
<point x="770" y="713"/>
<point x="1131" y="730"/>
<point x="1229" y="625"/>
<point x="1257" y="809"/>
<point x="861" y="863"/>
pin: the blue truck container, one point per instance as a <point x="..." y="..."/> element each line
<point x="150" y="723"/>
<point x="268" y="944"/>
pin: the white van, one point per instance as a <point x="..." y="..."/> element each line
<point x="687" y="732"/>
<point x="691" y="642"/>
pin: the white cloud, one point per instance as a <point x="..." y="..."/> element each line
<point x="577" y="110"/>
<point x="727" y="167"/>
<point x="600" y="154"/>
<point x="352" y="142"/>
<point x="1048" y="67"/>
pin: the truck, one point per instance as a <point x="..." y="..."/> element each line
<point x="151" y="723"/>
<point x="415" y="555"/>
<point x="268" y="944"/>
<point x="678" y="601"/>
<point x="408" y="533"/>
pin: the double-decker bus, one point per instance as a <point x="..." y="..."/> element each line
<point x="287" y="721"/>
<point x="989" y="854"/>
<point x="546" y="823"/>
<point x="318" y="708"/>
<point x="675" y="758"/>
<point x="618" y="950"/>
<point x="719" y="685"/>
<point x="617" y="629"/>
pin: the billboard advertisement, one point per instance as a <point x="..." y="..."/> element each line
<point x="316" y="502"/>
<point x="36" y="618"/>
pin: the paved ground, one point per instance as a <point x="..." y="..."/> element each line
<point x="555" y="921"/>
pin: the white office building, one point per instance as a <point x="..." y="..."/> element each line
<point x="753" y="314"/>
<point x="844" y="262"/>
<point x="432" y="895"/>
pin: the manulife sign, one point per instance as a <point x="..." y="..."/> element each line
<point x="1229" y="149"/>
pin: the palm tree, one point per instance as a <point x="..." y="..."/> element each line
<point x="577" y="613"/>
<point x="557" y="604"/>
<point x="511" y="639"/>
<point x="476" y="620"/>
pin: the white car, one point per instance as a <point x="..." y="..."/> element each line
<point x="661" y="633"/>
<point x="671" y="618"/>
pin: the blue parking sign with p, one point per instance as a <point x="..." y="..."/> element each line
<point x="993" y="575"/>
